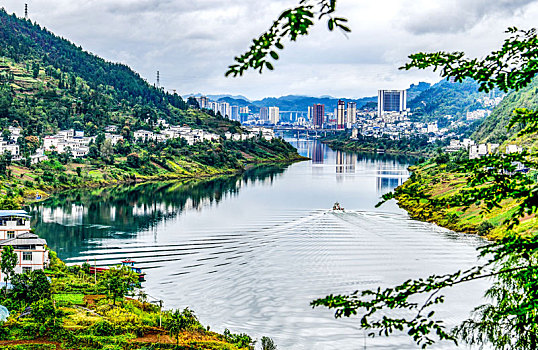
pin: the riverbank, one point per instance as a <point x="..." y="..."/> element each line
<point x="431" y="186"/>
<point x="77" y="309"/>
<point x="412" y="147"/>
<point x="30" y="184"/>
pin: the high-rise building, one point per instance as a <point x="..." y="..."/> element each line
<point x="244" y="110"/>
<point x="225" y="109"/>
<point x="391" y="101"/>
<point x="341" y="115"/>
<point x="351" y="113"/>
<point x="274" y="115"/>
<point x="310" y="113"/>
<point x="214" y="106"/>
<point x="264" y="114"/>
<point x="202" y="102"/>
<point x="234" y="115"/>
<point x="318" y="115"/>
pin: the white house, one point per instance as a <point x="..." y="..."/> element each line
<point x="514" y="149"/>
<point x="10" y="146"/>
<point x="15" y="133"/>
<point x="114" y="139"/>
<point x="38" y="156"/>
<point x="143" y="135"/>
<point x="30" y="249"/>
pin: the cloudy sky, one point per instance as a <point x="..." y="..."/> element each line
<point x="191" y="42"/>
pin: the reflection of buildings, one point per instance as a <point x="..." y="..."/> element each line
<point x="73" y="221"/>
<point x="345" y="162"/>
<point x="317" y="153"/>
<point x="389" y="176"/>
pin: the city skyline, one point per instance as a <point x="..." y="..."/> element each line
<point x="192" y="55"/>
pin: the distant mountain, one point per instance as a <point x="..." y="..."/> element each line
<point x="240" y="102"/>
<point x="218" y="97"/>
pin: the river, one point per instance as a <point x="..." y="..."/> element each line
<point x="250" y="252"/>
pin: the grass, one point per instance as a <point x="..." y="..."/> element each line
<point x="69" y="299"/>
<point x="437" y="183"/>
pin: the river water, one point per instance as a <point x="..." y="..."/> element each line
<point x="250" y="252"/>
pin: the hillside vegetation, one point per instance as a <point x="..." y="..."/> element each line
<point x="433" y="185"/>
<point x="447" y="98"/>
<point x="68" y="307"/>
<point x="494" y="127"/>
<point x="49" y="84"/>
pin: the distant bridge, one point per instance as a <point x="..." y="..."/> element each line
<point x="301" y="130"/>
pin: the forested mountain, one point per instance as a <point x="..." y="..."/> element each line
<point x="48" y="83"/>
<point x="493" y="129"/>
<point x="448" y="98"/>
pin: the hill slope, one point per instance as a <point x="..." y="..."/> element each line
<point x="493" y="129"/>
<point x="48" y="83"/>
<point x="448" y="98"/>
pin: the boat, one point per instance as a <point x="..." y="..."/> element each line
<point x="380" y="150"/>
<point x="337" y="206"/>
<point x="131" y="264"/>
<point x="128" y="263"/>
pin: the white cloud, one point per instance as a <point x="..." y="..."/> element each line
<point x="192" y="42"/>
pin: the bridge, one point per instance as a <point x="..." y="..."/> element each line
<point x="301" y="130"/>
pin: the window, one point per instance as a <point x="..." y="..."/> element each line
<point x="26" y="269"/>
<point x="27" y="256"/>
<point x="10" y="234"/>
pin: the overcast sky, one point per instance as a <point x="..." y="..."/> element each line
<point x="192" y="42"/>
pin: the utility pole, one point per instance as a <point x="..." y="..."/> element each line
<point x="160" y="313"/>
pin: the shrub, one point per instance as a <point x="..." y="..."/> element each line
<point x="484" y="228"/>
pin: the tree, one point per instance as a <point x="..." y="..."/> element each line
<point x="268" y="344"/>
<point x="44" y="313"/>
<point x="118" y="281"/>
<point x="509" y="320"/>
<point x="31" y="287"/>
<point x="291" y="24"/>
<point x="179" y="321"/>
<point x="8" y="263"/>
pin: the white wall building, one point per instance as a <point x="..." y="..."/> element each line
<point x="10" y="146"/>
<point x="30" y="249"/>
<point x="274" y="115"/>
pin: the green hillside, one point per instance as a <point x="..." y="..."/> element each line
<point x="49" y="84"/>
<point x="493" y="129"/>
<point x="447" y="98"/>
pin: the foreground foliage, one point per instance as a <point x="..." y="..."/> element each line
<point x="79" y="310"/>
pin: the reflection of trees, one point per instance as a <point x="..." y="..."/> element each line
<point x="71" y="218"/>
<point x="385" y="157"/>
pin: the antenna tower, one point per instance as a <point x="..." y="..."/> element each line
<point x="26" y="11"/>
<point x="158" y="79"/>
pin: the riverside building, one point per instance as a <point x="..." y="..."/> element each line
<point x="31" y="250"/>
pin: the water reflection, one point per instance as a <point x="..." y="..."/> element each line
<point x="73" y="219"/>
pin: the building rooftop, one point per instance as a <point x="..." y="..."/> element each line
<point x="21" y="213"/>
<point x="24" y="239"/>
